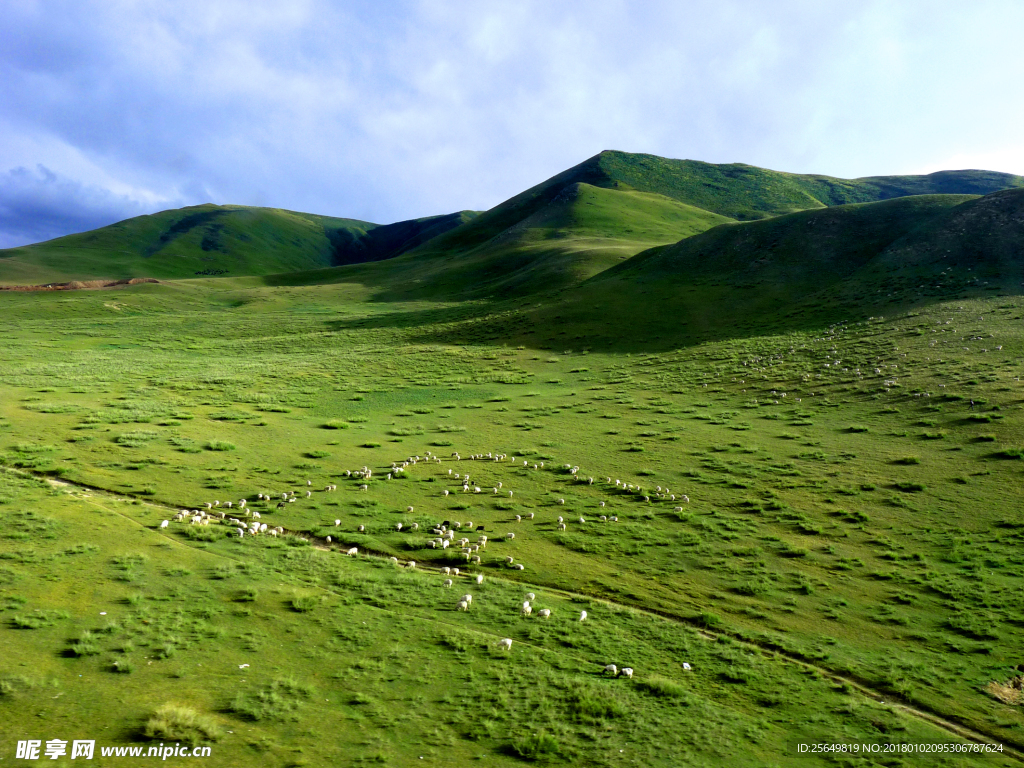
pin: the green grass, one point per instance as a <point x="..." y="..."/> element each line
<point x="829" y="559"/>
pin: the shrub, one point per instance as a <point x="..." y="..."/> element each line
<point x="857" y="428"/>
<point x="305" y="603"/>
<point x="536" y="746"/>
<point x="662" y="687"/>
<point x="273" y="701"/>
<point x="907" y="460"/>
<point x="317" y="454"/>
<point x="176" y="722"/>
<point x="219" y="445"/>
<point x="335" y="424"/>
<point x="122" y="665"/>
<point x="85" y="645"/>
<point x="910" y="487"/>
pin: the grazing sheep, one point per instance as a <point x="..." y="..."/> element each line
<point x="467" y="598"/>
<point x="600" y="504"/>
<point x="582" y="520"/>
<point x="447" y="583"/>
<point x="455" y="571"/>
<point x="626" y="672"/>
<point x="527" y="610"/>
<point x="462" y="606"/>
<point x="509" y="560"/>
<point x="614" y="519"/>
<point x="361" y="528"/>
<point x="479" y="578"/>
<point x="519" y="567"/>
<point x="165" y="523"/>
<point x="583" y="615"/>
<point x="561" y="501"/>
<point x="544" y="613"/>
<point x="505" y="644"/>
<point x="519" y="519"/>
<point x="241" y="533"/>
<point x="337" y="523"/>
<point x="398" y="526"/>
<point x="408" y="509"/>
<point x="364" y="487"/>
<point x="510" y="536"/>
<point x="686" y="667"/>
<point x="432" y="544"/>
<point x="561" y="526"/>
<point x="353" y="551"/>
<point x="445" y="492"/>
<point x="411" y="564"/>
<point x="328" y="539"/>
<point x="612" y="668"/>
<point x="561" y="519"/>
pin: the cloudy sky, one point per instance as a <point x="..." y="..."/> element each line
<point x="384" y="111"/>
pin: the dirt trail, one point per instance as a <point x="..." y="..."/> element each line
<point x="88" y="494"/>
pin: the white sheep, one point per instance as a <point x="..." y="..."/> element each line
<point x="626" y="672"/>
<point x="455" y="571"/>
<point x="479" y="578"/>
<point x="530" y="596"/>
<point x="361" y="528"/>
<point x="467" y="598"/>
<point x="446" y="570"/>
<point x="165" y="523"/>
<point x="509" y="559"/>
<point x="611" y="668"/>
<point x="398" y="526"/>
<point x="560" y="519"/>
<point x="328" y="539"/>
<point x="518" y="518"/>
<point x="527" y="610"/>
<point x="447" y="583"/>
<point x="519" y="567"/>
<point x="582" y="520"/>
<point x="462" y="606"/>
<point x="544" y="613"/>
<point x="354" y="551"/>
<point x="412" y="564"/>
<point x="505" y="644"/>
<point x="583" y="615"/>
<point x="337" y="523"/>
<point x="561" y="526"/>
<point x="686" y="667"/>
<point x="408" y="509"/>
<point x="510" y="536"/>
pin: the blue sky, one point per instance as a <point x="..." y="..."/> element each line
<point x="386" y="111"/>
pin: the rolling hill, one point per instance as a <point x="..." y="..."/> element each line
<point x="216" y="240"/>
<point x="802" y="269"/>
<point x="614" y="205"/>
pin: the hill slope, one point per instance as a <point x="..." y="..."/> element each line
<point x="545" y="237"/>
<point x="808" y="267"/>
<point x="216" y="240"/>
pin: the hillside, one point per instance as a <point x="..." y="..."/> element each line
<point x="216" y="240"/>
<point x="550" y="237"/>
<point x="799" y="269"/>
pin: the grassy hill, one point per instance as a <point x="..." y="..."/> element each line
<point x="215" y="240"/>
<point x="801" y="269"/>
<point x="614" y="205"/>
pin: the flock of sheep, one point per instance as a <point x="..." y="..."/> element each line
<point x="444" y="533"/>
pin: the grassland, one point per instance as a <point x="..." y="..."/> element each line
<point x="847" y="566"/>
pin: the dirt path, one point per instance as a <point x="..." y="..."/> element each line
<point x="89" y="494"/>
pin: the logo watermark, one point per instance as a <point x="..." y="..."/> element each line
<point x="85" y="749"/>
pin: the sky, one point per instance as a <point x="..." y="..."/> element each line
<point x="384" y="111"/>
